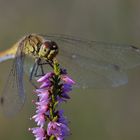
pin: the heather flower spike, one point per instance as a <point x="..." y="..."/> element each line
<point x="53" y="90"/>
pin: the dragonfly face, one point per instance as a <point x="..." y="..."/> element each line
<point x="48" y="50"/>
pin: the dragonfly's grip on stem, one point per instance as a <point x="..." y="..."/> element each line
<point x="34" y="72"/>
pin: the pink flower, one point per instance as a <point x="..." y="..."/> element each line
<point x="66" y="88"/>
<point x="67" y="80"/>
<point x="42" y="107"/>
<point x="46" y="84"/>
<point x="59" y="130"/>
<point x="39" y="133"/>
<point x="44" y="96"/>
<point x="45" y="77"/>
<point x="39" y="119"/>
<point x="61" y="118"/>
<point x="53" y="91"/>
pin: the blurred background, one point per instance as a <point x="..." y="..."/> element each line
<point x="111" y="114"/>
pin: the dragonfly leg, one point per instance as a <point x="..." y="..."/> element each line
<point x="34" y="72"/>
<point x="48" y="62"/>
<point x="42" y="70"/>
<point x="41" y="64"/>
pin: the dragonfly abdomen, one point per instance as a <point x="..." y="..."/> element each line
<point x="6" y="57"/>
<point x="8" y="54"/>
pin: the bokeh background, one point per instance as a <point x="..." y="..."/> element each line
<point x="110" y="114"/>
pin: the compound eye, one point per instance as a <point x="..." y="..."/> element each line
<point x="54" y="47"/>
<point x="45" y="46"/>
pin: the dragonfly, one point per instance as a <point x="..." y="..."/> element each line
<point x="92" y="64"/>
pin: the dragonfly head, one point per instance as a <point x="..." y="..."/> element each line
<point x="48" y="50"/>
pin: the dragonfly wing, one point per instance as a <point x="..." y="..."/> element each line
<point x="13" y="95"/>
<point x="96" y="64"/>
<point x="28" y="64"/>
<point x="89" y="75"/>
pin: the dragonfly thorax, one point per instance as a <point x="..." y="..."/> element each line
<point x="48" y="50"/>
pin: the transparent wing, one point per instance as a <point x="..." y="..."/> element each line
<point x="96" y="64"/>
<point x="13" y="96"/>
